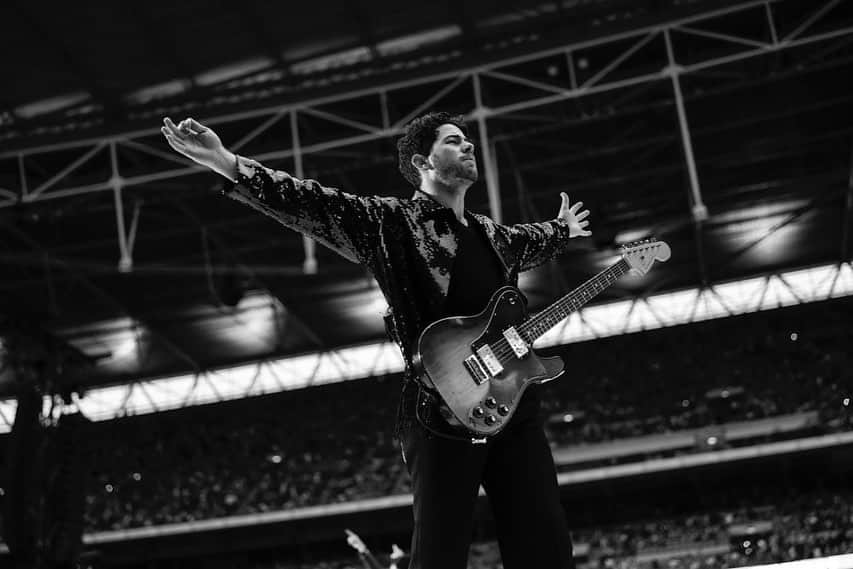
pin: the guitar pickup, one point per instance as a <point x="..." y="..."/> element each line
<point x="476" y="369"/>
<point x="490" y="360"/>
<point x="516" y="342"/>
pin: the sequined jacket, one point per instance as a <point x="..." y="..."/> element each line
<point x="407" y="244"/>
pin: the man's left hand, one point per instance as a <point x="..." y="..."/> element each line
<point x="574" y="217"/>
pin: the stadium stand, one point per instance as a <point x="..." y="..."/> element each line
<point x="787" y="374"/>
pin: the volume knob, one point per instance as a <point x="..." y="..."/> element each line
<point x="503" y="410"/>
<point x="491" y="402"/>
<point x="478" y="412"/>
<point x="491" y="420"/>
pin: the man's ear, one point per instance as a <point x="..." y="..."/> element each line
<point x="421" y="162"/>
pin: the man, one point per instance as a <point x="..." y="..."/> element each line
<point x="432" y="258"/>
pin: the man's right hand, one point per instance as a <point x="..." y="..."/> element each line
<point x="200" y="144"/>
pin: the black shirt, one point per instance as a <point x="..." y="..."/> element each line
<point x="476" y="274"/>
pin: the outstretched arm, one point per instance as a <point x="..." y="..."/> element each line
<point x="535" y="243"/>
<point x="346" y="223"/>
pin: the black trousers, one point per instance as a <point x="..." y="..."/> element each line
<point x="517" y="471"/>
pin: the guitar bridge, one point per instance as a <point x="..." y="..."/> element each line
<point x="476" y="369"/>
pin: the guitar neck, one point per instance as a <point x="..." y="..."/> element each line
<point x="554" y="314"/>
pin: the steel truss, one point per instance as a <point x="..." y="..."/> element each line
<point x="476" y="85"/>
<point x="722" y="300"/>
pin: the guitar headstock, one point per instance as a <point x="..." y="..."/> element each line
<point x="641" y="255"/>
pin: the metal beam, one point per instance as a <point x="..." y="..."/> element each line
<point x="530" y="213"/>
<point x="383" y="94"/>
<point x="53" y="260"/>
<point x="698" y="209"/>
<point x="425" y="79"/>
<point x="635" y="314"/>
<point x="309" y="265"/>
<point x="847" y="217"/>
<point x="222" y="245"/>
<point x="125" y="263"/>
<point x="815" y="16"/>
<point x="486" y="150"/>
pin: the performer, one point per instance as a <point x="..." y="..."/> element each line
<point x="432" y="258"/>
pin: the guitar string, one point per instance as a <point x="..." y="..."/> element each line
<point x="546" y="319"/>
<point x="540" y="324"/>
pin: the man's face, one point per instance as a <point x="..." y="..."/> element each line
<point x="452" y="156"/>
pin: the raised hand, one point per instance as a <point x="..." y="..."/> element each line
<point x="355" y="541"/>
<point x="574" y="217"/>
<point x="200" y="144"/>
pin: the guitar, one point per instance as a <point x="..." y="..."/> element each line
<point x="481" y="364"/>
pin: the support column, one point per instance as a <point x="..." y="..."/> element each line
<point x="847" y="218"/>
<point x="486" y="150"/>
<point x="698" y="208"/>
<point x="22" y="173"/>
<point x="309" y="265"/>
<point x="383" y="107"/>
<point x="125" y="262"/>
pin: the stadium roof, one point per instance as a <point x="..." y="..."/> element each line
<point x="722" y="127"/>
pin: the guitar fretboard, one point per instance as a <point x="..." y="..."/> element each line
<point x="554" y="314"/>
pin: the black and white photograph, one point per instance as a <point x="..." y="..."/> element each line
<point x="374" y="284"/>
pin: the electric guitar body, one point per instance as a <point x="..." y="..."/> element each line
<point x="481" y="365"/>
<point x="481" y="401"/>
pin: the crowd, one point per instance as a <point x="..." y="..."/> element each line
<point x="773" y="529"/>
<point x="735" y="369"/>
<point x="740" y="531"/>
<point x="805" y="526"/>
<point x="334" y="443"/>
<point x="295" y="449"/>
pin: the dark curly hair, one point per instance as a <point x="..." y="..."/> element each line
<point x="418" y="139"/>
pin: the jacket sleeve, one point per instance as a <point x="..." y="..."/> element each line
<point x="531" y="244"/>
<point x="346" y="223"/>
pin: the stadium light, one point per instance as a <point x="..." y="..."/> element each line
<point x="721" y="300"/>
